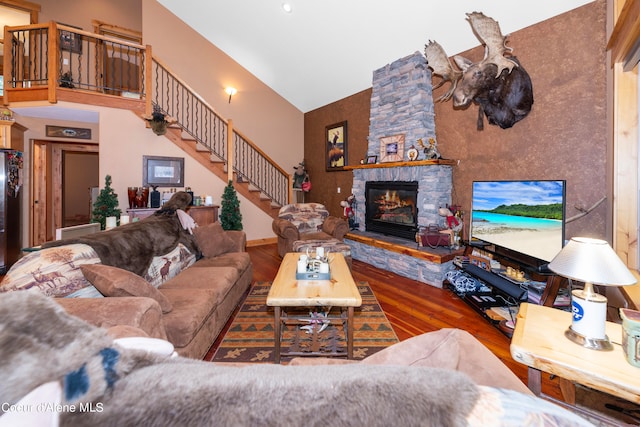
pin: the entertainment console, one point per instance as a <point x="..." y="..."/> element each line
<point x="494" y="285"/>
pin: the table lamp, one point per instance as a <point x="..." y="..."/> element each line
<point x="591" y="261"/>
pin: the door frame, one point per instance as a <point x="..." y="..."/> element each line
<point x="46" y="193"/>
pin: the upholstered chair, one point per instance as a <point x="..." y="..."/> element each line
<point x="307" y="222"/>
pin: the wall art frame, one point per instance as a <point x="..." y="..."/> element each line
<point x="392" y="148"/>
<point x="336" y="146"/>
<point x="372" y="160"/>
<point x="71" y="41"/>
<point x="158" y="171"/>
<point x="67" y="132"/>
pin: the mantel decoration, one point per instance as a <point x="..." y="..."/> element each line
<point x="392" y="148"/>
<point x="158" y="121"/>
<point x="430" y="151"/>
<point x="336" y="148"/>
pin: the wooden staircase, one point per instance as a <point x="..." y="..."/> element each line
<point x="36" y="68"/>
<point x="219" y="168"/>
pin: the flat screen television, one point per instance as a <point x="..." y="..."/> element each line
<point x="527" y="217"/>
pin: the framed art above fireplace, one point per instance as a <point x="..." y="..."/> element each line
<point x="392" y="148"/>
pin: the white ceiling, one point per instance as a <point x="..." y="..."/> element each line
<point x="55" y="112"/>
<point x="325" y="50"/>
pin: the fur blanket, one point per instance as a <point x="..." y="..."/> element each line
<point x="39" y="343"/>
<point x="133" y="246"/>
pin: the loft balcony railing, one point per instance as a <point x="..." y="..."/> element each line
<point x="57" y="62"/>
<point x="36" y="63"/>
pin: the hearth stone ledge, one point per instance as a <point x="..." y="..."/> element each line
<point x="402" y="257"/>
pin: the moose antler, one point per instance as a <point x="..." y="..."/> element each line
<point x="488" y="32"/>
<point x="439" y="62"/>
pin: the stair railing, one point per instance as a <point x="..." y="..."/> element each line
<point x="40" y="58"/>
<point x="200" y="121"/>
<point x="43" y="60"/>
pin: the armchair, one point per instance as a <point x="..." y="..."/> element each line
<point x="306" y="222"/>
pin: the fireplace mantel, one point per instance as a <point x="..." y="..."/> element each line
<point x="403" y="164"/>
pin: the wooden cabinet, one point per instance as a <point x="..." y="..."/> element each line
<point x="202" y="215"/>
<point x="140" y="213"/>
<point x="11" y="135"/>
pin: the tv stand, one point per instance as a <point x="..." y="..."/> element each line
<point x="499" y="299"/>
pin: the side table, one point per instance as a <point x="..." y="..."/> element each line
<point x="539" y="342"/>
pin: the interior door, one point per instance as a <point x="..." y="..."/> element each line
<point x="47" y="187"/>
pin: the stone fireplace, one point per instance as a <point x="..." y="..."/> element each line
<point x="434" y="189"/>
<point x="402" y="104"/>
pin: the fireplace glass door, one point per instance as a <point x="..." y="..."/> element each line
<point x="391" y="208"/>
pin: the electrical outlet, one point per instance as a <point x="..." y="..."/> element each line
<point x="338" y="190"/>
<point x="65" y="61"/>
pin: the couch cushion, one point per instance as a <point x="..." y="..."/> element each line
<point x="217" y="279"/>
<point x="213" y="240"/>
<point x="191" y="308"/>
<point x="54" y="272"/>
<point x="163" y="268"/>
<point x="238" y="260"/>
<point x="116" y="282"/>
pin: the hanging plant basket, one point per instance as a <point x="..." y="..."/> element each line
<point x="158" y="121"/>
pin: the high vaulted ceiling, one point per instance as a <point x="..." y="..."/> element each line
<point x="325" y="50"/>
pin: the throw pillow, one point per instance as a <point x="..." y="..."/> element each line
<point x="116" y="282"/>
<point x="213" y="240"/>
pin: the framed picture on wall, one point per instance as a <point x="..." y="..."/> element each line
<point x="162" y="171"/>
<point x="392" y="148"/>
<point x="336" y="146"/>
<point x="71" y="41"/>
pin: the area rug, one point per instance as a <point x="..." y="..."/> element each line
<point x="250" y="337"/>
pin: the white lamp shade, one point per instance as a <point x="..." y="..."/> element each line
<point x="591" y="260"/>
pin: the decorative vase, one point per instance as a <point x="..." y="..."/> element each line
<point x="132" y="192"/>
<point x="142" y="197"/>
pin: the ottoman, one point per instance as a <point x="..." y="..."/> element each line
<point x="331" y="245"/>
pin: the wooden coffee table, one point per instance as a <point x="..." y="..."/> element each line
<point x="340" y="291"/>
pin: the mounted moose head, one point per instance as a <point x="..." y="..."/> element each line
<point x="498" y="84"/>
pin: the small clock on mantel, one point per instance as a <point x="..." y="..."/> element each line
<point x="412" y="153"/>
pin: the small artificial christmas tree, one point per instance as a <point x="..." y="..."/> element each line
<point x="230" y="216"/>
<point x="106" y="204"/>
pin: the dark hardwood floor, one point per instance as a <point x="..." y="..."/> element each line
<point x="414" y="308"/>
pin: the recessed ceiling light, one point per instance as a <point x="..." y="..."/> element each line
<point x="287" y="7"/>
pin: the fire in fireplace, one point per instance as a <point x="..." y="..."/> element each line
<point x="391" y="208"/>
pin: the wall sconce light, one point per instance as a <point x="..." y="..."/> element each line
<point x="230" y="91"/>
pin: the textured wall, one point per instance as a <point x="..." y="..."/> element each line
<point x="401" y="103"/>
<point x="564" y="136"/>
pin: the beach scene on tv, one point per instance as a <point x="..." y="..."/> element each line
<point x="524" y="216"/>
